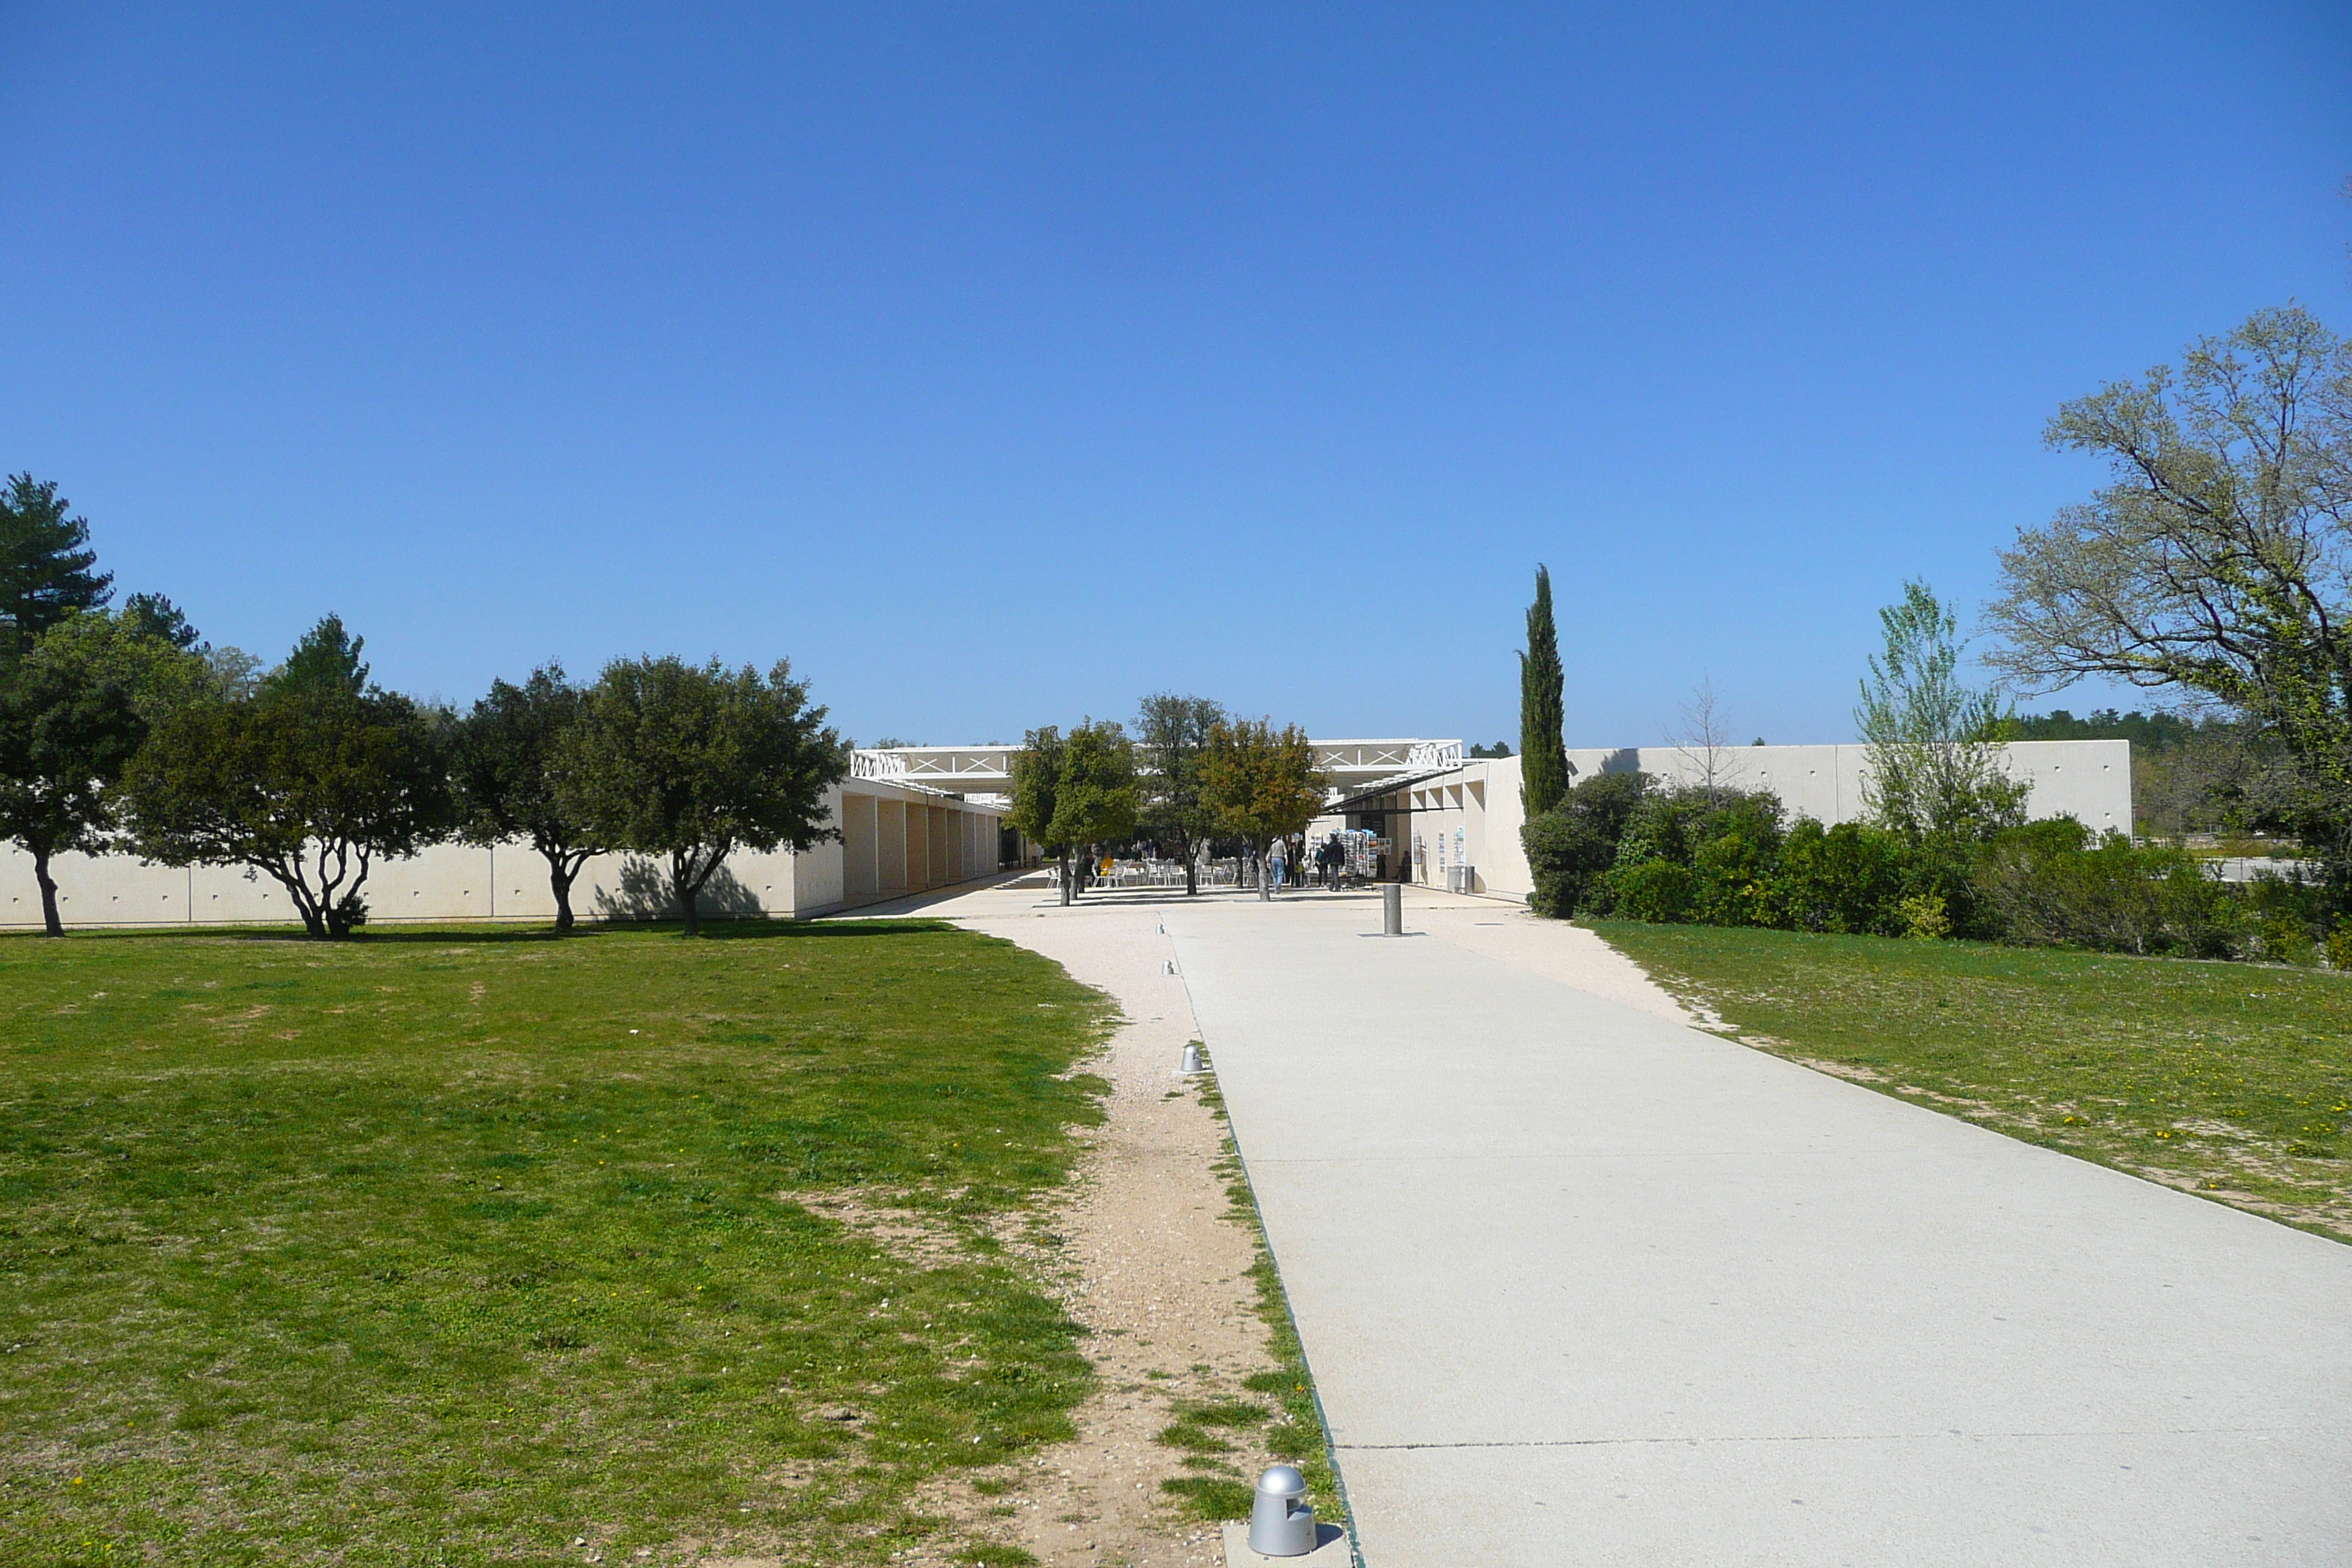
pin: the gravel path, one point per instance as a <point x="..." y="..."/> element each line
<point x="1152" y="1265"/>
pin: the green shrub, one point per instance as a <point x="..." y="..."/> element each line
<point x="2053" y="883"/>
<point x="1926" y="916"/>
<point x="1570" y="845"/>
<point x="1722" y="857"/>
<point x="1696" y="856"/>
<point x="2289" y="915"/>
<point x="1736" y="850"/>
<point x="1657" y="890"/>
<point x="1849" y="879"/>
<point x="2283" y="938"/>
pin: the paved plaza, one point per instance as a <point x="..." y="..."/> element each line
<point x="1584" y="1285"/>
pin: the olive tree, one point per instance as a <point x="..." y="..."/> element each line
<point x="1071" y="791"/>
<point x="307" y="779"/>
<point x="690" y="763"/>
<point x="1264" y="782"/>
<point x="74" y="711"/>
<point x="509" y="763"/>
<point x="1171" y="738"/>
<point x="1036" y="791"/>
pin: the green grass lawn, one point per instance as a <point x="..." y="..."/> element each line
<point x="2229" y="1080"/>
<point x="456" y="1246"/>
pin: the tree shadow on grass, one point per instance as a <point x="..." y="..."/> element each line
<point x="715" y="927"/>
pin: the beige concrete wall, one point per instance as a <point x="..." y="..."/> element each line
<point x="890" y="846"/>
<point x="918" y="846"/>
<point x="861" y="876"/>
<point x="2088" y="780"/>
<point x="510" y="882"/>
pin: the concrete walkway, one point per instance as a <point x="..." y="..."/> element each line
<point x="1582" y="1285"/>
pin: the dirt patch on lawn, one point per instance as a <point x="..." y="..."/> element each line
<point x="1155" y="1266"/>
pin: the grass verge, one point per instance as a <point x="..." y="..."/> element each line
<point x="1290" y="1424"/>
<point x="471" y="1245"/>
<point x="2232" y="1080"/>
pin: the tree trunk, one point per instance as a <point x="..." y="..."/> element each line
<point x="1065" y="876"/>
<point x="50" y="924"/>
<point x="1266" y="878"/>
<point x="1192" y="869"/>
<point x="560" y="881"/>
<point x="688" y="892"/>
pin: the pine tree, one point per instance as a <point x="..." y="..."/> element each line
<point x="327" y="659"/>
<point x="1543" y="748"/>
<point x="45" y="564"/>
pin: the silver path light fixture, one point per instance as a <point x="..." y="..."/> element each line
<point x="1282" y="1521"/>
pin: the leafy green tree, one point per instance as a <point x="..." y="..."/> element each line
<point x="327" y="659"/>
<point x="1263" y="783"/>
<point x="1098" y="800"/>
<point x="1172" y="737"/>
<point x="1543" y="742"/>
<point x="509" y="763"/>
<point x="1933" y="764"/>
<point x="156" y="618"/>
<point x="74" y="711"/>
<point x="309" y="780"/>
<point x="1073" y="791"/>
<point x="46" y="567"/>
<point x="2218" y="560"/>
<point x="693" y="762"/>
<point x="1036" y="792"/>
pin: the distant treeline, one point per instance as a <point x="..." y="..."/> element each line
<point x="2190" y="773"/>
<point x="2156" y="732"/>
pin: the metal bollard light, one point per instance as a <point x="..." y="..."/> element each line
<point x="1192" y="1063"/>
<point x="1282" y="1521"/>
<point x="1391" y="908"/>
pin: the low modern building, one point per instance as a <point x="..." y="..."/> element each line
<point x="986" y="772"/>
<point x="914" y="818"/>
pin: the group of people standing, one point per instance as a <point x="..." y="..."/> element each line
<point x="1326" y="867"/>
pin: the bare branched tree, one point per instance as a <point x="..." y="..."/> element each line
<point x="1702" y="744"/>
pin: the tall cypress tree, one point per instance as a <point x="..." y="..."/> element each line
<point x="1543" y="748"/>
<point x="45" y="564"/>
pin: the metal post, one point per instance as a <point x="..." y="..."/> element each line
<point x="1391" y="908"/>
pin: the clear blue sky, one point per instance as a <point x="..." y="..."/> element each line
<point x="1001" y="365"/>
